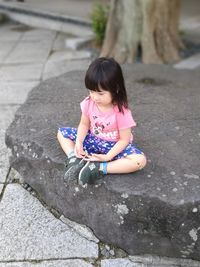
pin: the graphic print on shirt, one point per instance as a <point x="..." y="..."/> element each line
<point x="100" y="129"/>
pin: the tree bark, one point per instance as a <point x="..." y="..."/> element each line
<point x="151" y="25"/>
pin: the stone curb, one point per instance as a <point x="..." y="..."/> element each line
<point x="46" y="19"/>
<point x="190" y="63"/>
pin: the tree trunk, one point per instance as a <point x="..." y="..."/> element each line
<point x="151" y="25"/>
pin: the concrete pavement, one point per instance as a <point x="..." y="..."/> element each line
<point x="30" y="233"/>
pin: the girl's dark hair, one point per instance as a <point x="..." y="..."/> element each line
<point x="106" y="74"/>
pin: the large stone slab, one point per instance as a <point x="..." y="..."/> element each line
<point x="154" y="211"/>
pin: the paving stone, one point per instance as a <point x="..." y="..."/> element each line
<point x="83" y="230"/>
<point x="7" y="113"/>
<point x="30" y="52"/>
<point x="54" y="69"/>
<point x="30" y="232"/>
<point x="36" y="34"/>
<point x="76" y="43"/>
<point x="19" y="72"/>
<point x="15" y="92"/>
<point x="156" y="261"/>
<point x="5" y="48"/>
<point x="51" y="263"/>
<point x="6" y="116"/>
<point x="120" y="263"/>
<point x="9" y="35"/>
<point x="69" y="55"/>
<point x="189" y="63"/>
<point x="59" y="43"/>
<point x="5" y="153"/>
<point x="149" y="261"/>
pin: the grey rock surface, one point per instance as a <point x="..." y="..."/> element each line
<point x="30" y="232"/>
<point x="154" y="211"/>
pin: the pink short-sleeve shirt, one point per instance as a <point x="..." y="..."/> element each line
<point x="106" y="125"/>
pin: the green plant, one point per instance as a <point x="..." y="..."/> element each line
<point x="99" y="17"/>
<point x="182" y="33"/>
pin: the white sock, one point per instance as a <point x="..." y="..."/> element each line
<point x="70" y="154"/>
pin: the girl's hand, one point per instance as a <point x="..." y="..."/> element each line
<point x="78" y="150"/>
<point x="98" y="157"/>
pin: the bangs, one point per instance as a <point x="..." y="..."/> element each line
<point x="95" y="80"/>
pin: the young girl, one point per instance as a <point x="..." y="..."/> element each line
<point x="103" y="141"/>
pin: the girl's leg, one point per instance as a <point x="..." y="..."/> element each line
<point x="66" y="144"/>
<point x="72" y="164"/>
<point x="129" y="164"/>
<point x="129" y="160"/>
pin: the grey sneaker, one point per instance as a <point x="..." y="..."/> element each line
<point x="90" y="173"/>
<point x="73" y="166"/>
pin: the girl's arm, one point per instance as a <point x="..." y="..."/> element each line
<point x="124" y="140"/>
<point x="83" y="128"/>
<point x="125" y="136"/>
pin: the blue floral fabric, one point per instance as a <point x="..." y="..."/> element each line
<point x="94" y="144"/>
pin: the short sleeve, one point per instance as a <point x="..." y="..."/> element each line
<point x="125" y="120"/>
<point x="85" y="106"/>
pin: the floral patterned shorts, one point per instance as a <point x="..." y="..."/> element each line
<point x="94" y="144"/>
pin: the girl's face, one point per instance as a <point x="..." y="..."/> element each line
<point x="102" y="98"/>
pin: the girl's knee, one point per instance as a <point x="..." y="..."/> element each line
<point x="59" y="135"/>
<point x="140" y="160"/>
